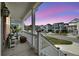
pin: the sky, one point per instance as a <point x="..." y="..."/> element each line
<point x="54" y="12"/>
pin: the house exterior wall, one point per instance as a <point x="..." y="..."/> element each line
<point x="78" y="27"/>
<point x="76" y="23"/>
<point x="73" y="27"/>
<point x="7" y="27"/>
<point x="58" y="27"/>
<point x="46" y="28"/>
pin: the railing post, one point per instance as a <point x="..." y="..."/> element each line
<point x="39" y="42"/>
<point x="58" y="51"/>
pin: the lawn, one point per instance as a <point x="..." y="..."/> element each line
<point x="78" y="37"/>
<point x="62" y="34"/>
<point x="58" y="41"/>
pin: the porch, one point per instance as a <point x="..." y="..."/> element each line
<point x="20" y="50"/>
<point x="36" y="43"/>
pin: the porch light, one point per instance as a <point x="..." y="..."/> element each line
<point x="5" y="12"/>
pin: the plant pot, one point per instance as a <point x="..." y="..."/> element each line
<point x="22" y="39"/>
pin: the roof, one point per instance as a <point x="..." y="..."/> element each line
<point x="74" y="20"/>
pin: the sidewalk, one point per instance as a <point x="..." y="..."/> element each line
<point x="71" y="49"/>
<point x="71" y="36"/>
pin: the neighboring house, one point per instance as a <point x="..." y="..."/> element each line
<point x="48" y="28"/>
<point x="74" y="26"/>
<point x="66" y="25"/>
<point x="58" y="27"/>
<point x="37" y="27"/>
<point x="72" y="29"/>
<point x="42" y="27"/>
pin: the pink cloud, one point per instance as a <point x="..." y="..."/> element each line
<point x="53" y="11"/>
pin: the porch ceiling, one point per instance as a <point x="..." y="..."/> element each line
<point x="19" y="9"/>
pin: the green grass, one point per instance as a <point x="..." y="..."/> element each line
<point x="58" y="41"/>
<point x="78" y="37"/>
<point x="62" y="33"/>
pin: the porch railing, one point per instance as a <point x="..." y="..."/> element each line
<point x="42" y="45"/>
<point x="48" y="48"/>
<point x="28" y="35"/>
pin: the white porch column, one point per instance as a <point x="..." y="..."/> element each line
<point x="33" y="26"/>
<point x="78" y="27"/>
<point x="0" y="35"/>
<point x="22" y="26"/>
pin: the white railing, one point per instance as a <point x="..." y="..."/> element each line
<point x="47" y="48"/>
<point x="42" y="45"/>
<point x="28" y="35"/>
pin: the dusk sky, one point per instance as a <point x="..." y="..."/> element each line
<point x="54" y="12"/>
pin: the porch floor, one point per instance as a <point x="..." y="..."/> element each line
<point x="21" y="49"/>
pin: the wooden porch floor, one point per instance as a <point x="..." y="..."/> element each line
<point x="21" y="49"/>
